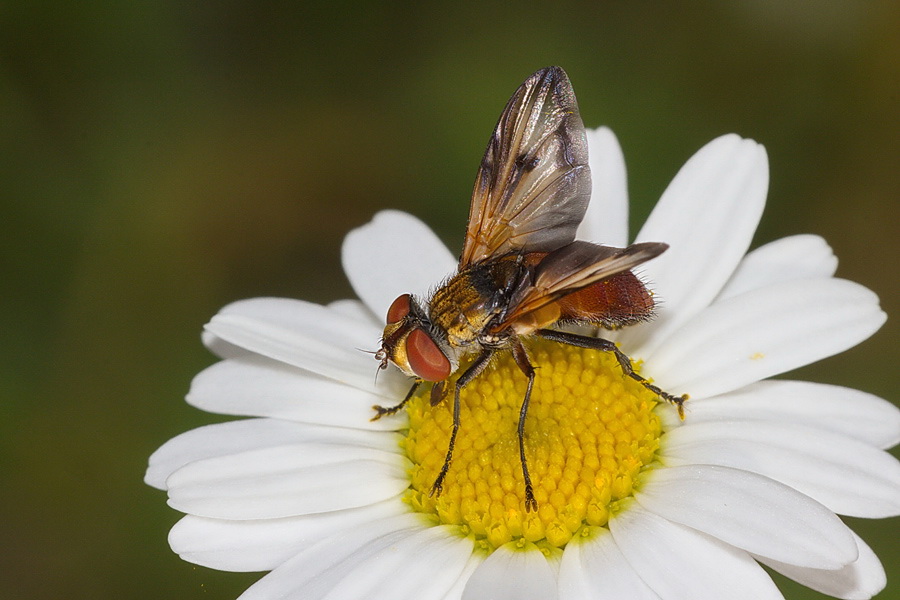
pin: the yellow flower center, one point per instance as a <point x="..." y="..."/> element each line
<point x="588" y="434"/>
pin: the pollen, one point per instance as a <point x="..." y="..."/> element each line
<point x="589" y="434"/>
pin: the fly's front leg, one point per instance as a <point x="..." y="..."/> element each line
<point x="582" y="341"/>
<point x="471" y="373"/>
<point x="521" y="358"/>
<point x="381" y="411"/>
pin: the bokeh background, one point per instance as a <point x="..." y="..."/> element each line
<point x="160" y="159"/>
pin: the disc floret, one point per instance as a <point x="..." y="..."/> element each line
<point x="589" y="434"/>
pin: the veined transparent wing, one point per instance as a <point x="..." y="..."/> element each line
<point x="534" y="183"/>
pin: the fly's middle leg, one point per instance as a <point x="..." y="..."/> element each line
<point x="521" y="358"/>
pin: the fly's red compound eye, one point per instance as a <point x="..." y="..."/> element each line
<point x="425" y="358"/>
<point x="399" y="309"/>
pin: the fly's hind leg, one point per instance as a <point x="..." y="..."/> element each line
<point x="521" y="358"/>
<point x="471" y="373"/>
<point x="381" y="411"/>
<point x="593" y="343"/>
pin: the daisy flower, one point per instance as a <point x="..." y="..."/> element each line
<point x="633" y="502"/>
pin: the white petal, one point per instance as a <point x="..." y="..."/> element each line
<point x="456" y="590"/>
<point x="511" y="573"/>
<point x="301" y="334"/>
<point x="708" y="216"/>
<point x="239" y="436"/>
<point x="764" y="332"/>
<point x="394" y="254"/>
<point x="355" y="309"/>
<point x="606" y="220"/>
<point x="424" y="566"/>
<point x="859" y="580"/>
<point x="678" y="562"/>
<point x="595" y="569"/>
<point x="850" y="412"/>
<point x="221" y="348"/>
<point x="787" y="259"/>
<point x="314" y="572"/>
<point x="264" y="544"/>
<point x="258" y="386"/>
<point x="751" y="512"/>
<point x="287" y="480"/>
<point x="847" y="476"/>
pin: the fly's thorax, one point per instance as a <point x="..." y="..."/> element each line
<point x="459" y="311"/>
<point x="466" y="304"/>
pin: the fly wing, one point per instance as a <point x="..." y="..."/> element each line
<point x="572" y="268"/>
<point x="534" y="183"/>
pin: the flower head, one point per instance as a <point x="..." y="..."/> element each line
<point x="633" y="502"/>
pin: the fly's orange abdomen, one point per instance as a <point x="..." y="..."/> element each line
<point x="616" y="301"/>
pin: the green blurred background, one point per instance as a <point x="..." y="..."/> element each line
<point x="161" y="159"/>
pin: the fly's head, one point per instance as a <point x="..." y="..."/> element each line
<point x="408" y="343"/>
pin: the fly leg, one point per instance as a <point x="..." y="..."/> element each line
<point x="380" y="411"/>
<point x="521" y="358"/>
<point x="582" y="341"/>
<point x="471" y="373"/>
